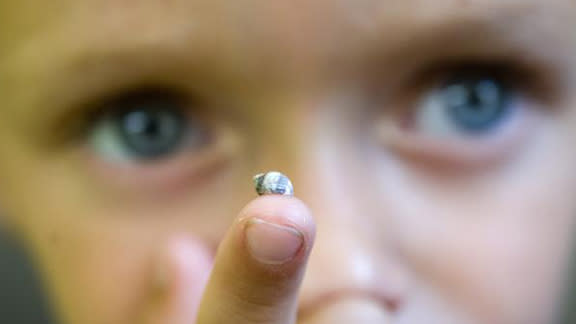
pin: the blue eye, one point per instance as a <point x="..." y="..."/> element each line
<point x="465" y="106"/>
<point x="144" y="127"/>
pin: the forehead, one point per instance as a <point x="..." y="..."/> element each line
<point x="290" y="35"/>
<point x="243" y="20"/>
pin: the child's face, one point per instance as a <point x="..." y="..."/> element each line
<point x="456" y="207"/>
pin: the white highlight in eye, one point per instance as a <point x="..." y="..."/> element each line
<point x="105" y="142"/>
<point x="432" y="119"/>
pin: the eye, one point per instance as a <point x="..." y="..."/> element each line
<point x="464" y="117"/>
<point x="145" y="126"/>
<point x="465" y="106"/>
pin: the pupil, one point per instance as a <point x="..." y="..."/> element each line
<point x="151" y="132"/>
<point x="476" y="105"/>
<point x="151" y="129"/>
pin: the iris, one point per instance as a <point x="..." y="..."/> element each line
<point x="474" y="104"/>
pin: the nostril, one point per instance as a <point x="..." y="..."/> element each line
<point x="392" y="304"/>
<point x="350" y="309"/>
<point x="350" y="304"/>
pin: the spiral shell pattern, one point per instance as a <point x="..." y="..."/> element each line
<point x="273" y="183"/>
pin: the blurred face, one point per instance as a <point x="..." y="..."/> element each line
<point x="434" y="141"/>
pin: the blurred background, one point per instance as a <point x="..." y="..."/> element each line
<point x="22" y="299"/>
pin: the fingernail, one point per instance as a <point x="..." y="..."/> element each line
<point x="272" y="243"/>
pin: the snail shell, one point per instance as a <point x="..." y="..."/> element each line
<point x="274" y="183"/>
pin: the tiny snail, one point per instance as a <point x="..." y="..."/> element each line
<point x="274" y="183"/>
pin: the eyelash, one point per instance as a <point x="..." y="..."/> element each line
<point x="529" y="81"/>
<point x="516" y="75"/>
<point x="73" y="127"/>
<point x="523" y="82"/>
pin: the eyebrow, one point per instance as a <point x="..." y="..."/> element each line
<point x="87" y="71"/>
<point x="511" y="30"/>
<point x="92" y="67"/>
<point x="493" y="38"/>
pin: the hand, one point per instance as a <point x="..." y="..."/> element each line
<point x="256" y="275"/>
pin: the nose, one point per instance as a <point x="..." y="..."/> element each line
<point x="353" y="274"/>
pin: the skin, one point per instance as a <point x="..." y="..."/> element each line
<point x="410" y="228"/>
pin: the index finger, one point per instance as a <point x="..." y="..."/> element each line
<point x="260" y="264"/>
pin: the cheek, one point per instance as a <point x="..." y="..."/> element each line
<point x="96" y="232"/>
<point x="501" y="274"/>
<point x="91" y="271"/>
<point x="495" y="244"/>
<point x="106" y="268"/>
<point x="95" y="250"/>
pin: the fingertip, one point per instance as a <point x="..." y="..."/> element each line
<point x="281" y="210"/>
<point x="260" y="263"/>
